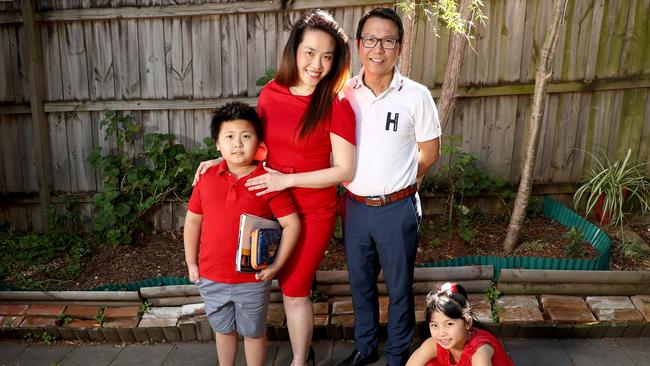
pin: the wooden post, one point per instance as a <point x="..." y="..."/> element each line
<point x="408" y="18"/>
<point x="39" y="119"/>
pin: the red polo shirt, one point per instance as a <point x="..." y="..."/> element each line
<point x="221" y="199"/>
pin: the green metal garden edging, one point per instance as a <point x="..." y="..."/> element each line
<point x="568" y="218"/>
<point x="150" y="282"/>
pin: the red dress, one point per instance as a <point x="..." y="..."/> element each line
<point x="478" y="338"/>
<point x="281" y="112"/>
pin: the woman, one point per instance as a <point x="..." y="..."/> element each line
<point x="310" y="137"/>
<point x="457" y="338"/>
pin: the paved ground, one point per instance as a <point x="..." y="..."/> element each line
<point x="525" y="352"/>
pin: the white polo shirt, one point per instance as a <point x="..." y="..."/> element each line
<point x="388" y="128"/>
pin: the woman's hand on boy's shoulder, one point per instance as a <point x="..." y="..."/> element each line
<point x="273" y="181"/>
<point x="203" y="167"/>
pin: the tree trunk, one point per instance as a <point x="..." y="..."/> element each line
<point x="407" y="43"/>
<point x="543" y="74"/>
<point x="455" y="62"/>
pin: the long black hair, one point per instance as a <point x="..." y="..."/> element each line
<point x="327" y="89"/>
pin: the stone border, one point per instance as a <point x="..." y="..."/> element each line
<point x="177" y="316"/>
<point x="521" y="316"/>
<point x="584" y="283"/>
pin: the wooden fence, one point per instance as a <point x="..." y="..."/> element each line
<point x="170" y="62"/>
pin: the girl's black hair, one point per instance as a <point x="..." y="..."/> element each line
<point x="231" y="112"/>
<point x="451" y="300"/>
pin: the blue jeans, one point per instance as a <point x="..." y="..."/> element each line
<point x="382" y="238"/>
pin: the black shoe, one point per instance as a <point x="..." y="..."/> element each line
<point x="355" y="359"/>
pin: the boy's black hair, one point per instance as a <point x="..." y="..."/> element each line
<point x="231" y="112"/>
<point x="384" y="13"/>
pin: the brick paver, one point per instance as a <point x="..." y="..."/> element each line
<point x="520" y="315"/>
<point x="122" y="312"/>
<point x="38" y="322"/>
<point x="321" y="320"/>
<point x="13" y="310"/>
<point x="7" y="321"/>
<point x="45" y="310"/>
<point x="614" y="309"/>
<point x="121" y="323"/>
<point x="157" y="322"/>
<point x="275" y="315"/>
<point x="321" y="308"/>
<point x="566" y="309"/>
<point x="163" y="312"/>
<point x="192" y="310"/>
<point x="642" y="303"/>
<point x="481" y="308"/>
<point x="82" y="312"/>
<point x="83" y="324"/>
<point x="342" y="307"/>
<point x="519" y="309"/>
<point x="346" y="320"/>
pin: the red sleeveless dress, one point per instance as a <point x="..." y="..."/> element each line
<point x="478" y="338"/>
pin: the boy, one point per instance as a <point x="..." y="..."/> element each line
<point x="235" y="303"/>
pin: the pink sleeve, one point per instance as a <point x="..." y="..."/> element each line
<point x="344" y="120"/>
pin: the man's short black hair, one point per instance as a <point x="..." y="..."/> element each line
<point x="384" y="13"/>
<point x="231" y="112"/>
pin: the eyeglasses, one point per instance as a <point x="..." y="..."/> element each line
<point x="386" y="43"/>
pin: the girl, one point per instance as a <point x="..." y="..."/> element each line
<point x="457" y="338"/>
<point x="310" y="137"/>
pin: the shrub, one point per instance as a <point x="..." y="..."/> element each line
<point x="134" y="182"/>
<point x="41" y="261"/>
<point x="462" y="176"/>
<point x="615" y="184"/>
<point x="575" y="240"/>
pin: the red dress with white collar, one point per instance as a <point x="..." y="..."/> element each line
<point x="478" y="338"/>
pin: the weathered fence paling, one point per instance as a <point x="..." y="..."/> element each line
<point x="170" y="65"/>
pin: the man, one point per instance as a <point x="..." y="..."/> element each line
<point x="397" y="143"/>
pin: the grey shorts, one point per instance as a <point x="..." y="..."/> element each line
<point x="241" y="306"/>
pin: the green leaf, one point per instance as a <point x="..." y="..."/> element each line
<point x="122" y="209"/>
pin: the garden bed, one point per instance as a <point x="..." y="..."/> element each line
<point x="161" y="254"/>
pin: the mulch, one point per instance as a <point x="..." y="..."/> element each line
<point x="161" y="254"/>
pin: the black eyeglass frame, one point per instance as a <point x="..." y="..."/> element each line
<point x="376" y="41"/>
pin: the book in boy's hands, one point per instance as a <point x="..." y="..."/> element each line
<point x="264" y="246"/>
<point x="259" y="237"/>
